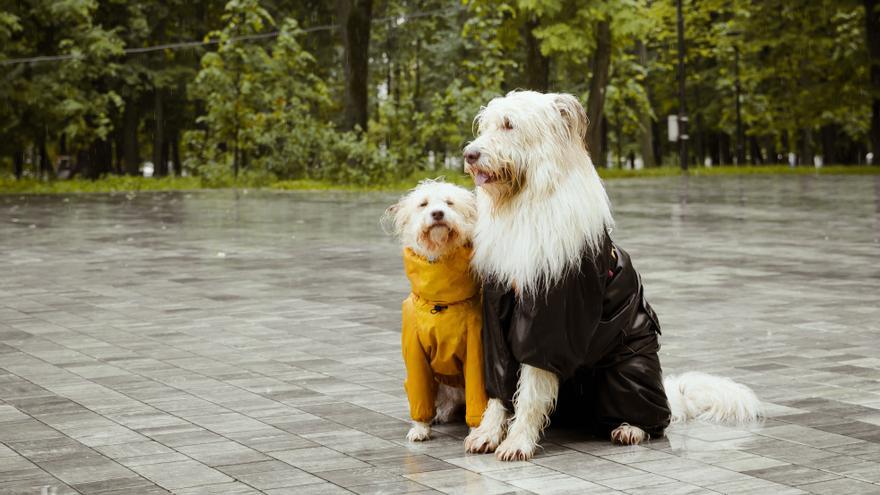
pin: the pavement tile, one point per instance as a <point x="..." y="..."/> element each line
<point x="460" y="481"/>
<point x="181" y="474"/>
<point x="232" y="342"/>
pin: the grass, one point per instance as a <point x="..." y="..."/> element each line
<point x="10" y="185"/>
<point x="103" y="185"/>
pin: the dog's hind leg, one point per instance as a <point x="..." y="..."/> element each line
<point x="486" y="437"/>
<point x="535" y="398"/>
<point x="449" y="402"/>
<point x="627" y="434"/>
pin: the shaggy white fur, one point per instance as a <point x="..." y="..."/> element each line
<point x="705" y="397"/>
<point x="490" y="433"/>
<point x="541" y="202"/>
<point x="541" y="206"/>
<point x="433" y="219"/>
<point x="448" y="403"/>
<point x="627" y="434"/>
<point x="533" y="402"/>
<point x="419" y="432"/>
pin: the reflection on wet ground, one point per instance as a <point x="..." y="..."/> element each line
<point x="245" y="342"/>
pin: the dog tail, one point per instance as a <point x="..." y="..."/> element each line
<point x="716" y="399"/>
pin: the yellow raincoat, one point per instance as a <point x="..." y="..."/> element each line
<point x="442" y="320"/>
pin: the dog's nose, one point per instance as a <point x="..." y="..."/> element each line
<point x="437" y="215"/>
<point x="471" y="156"/>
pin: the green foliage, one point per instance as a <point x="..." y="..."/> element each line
<point x="264" y="109"/>
<point x="103" y="185"/>
<point x="69" y="98"/>
<point x="256" y="107"/>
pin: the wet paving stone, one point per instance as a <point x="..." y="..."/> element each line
<point x="248" y="342"/>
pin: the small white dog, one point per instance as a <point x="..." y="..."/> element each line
<point x="442" y="315"/>
<point x="565" y="317"/>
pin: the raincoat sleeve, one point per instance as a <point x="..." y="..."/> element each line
<point x="421" y="388"/>
<point x="474" y="385"/>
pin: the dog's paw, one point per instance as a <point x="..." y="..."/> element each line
<point x="516" y="448"/>
<point x="627" y="434"/>
<point x="482" y="440"/>
<point x="419" y="433"/>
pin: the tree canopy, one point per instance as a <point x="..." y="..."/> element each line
<point x="369" y="90"/>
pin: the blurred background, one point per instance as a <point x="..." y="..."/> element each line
<point x="365" y="92"/>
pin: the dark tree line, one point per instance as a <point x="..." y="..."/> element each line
<point x="360" y="90"/>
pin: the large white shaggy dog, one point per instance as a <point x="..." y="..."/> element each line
<point x="563" y="307"/>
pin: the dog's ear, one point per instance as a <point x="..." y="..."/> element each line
<point x="573" y="114"/>
<point x="390" y="222"/>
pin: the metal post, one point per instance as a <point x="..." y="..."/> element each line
<point x="740" y="139"/>
<point x="682" y="107"/>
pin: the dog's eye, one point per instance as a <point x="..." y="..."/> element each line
<point x="449" y="202"/>
<point x="507" y="125"/>
<point x="424" y="203"/>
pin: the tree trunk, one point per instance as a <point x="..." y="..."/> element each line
<point x="160" y="158"/>
<point x="166" y="155"/>
<point x="786" y="147"/>
<point x="19" y="163"/>
<point x="755" y="155"/>
<point x="390" y="83"/>
<point x="805" y="153"/>
<point x="354" y="19"/>
<point x="537" y="66"/>
<point x="83" y="165"/>
<point x="656" y="130"/>
<point x="598" y="83"/>
<point x="714" y="145"/>
<point x="130" y="151"/>
<point x="646" y="137"/>
<point x="99" y="159"/>
<point x="828" y="135"/>
<point x="417" y="90"/>
<point x="43" y="160"/>
<point x="175" y="153"/>
<point x="236" y="148"/>
<point x="619" y="129"/>
<point x="603" y="142"/>
<point x="872" y="31"/>
<point x="118" y="147"/>
<point x="724" y="149"/>
<point x="698" y="134"/>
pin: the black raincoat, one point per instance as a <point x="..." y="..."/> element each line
<point x="595" y="330"/>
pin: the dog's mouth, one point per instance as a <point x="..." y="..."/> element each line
<point x="502" y="182"/>
<point x="482" y="176"/>
<point x="437" y="236"/>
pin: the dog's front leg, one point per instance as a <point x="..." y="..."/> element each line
<point x="486" y="437"/>
<point x="534" y="400"/>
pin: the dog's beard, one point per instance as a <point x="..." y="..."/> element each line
<point x="438" y="238"/>
<point x="502" y="183"/>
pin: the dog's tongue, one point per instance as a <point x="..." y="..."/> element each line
<point x="481" y="179"/>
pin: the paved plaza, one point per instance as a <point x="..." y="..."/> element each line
<point x="238" y="342"/>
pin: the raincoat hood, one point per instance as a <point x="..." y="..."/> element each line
<point x="447" y="280"/>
